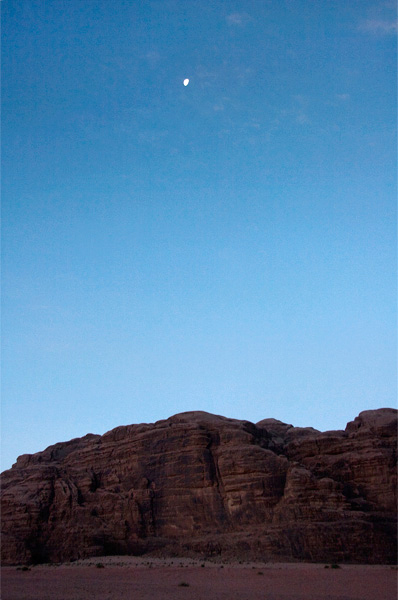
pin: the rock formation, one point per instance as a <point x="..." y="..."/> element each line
<point x="200" y="483"/>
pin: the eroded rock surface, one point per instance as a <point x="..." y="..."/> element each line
<point x="203" y="483"/>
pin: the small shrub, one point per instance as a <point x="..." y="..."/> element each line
<point x="25" y="569"/>
<point x="334" y="566"/>
<point x="202" y="566"/>
<point x="326" y="566"/>
<point x="183" y="584"/>
<point x="100" y="566"/>
<point x="260" y="573"/>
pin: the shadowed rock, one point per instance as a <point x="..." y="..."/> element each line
<point x="203" y="483"/>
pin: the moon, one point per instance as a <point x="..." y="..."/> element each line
<point x="186" y="81"/>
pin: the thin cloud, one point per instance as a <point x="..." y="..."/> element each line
<point x="302" y="118"/>
<point x="238" y="19"/>
<point x="338" y="100"/>
<point x="391" y="4"/>
<point x="153" y="136"/>
<point x="153" y="57"/>
<point x="379" y="27"/>
<point x="299" y="110"/>
<point x="296" y="114"/>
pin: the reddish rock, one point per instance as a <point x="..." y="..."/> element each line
<point x="203" y="483"/>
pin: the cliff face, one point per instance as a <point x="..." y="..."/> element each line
<point x="203" y="483"/>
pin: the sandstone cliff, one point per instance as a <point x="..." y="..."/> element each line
<point x="203" y="483"/>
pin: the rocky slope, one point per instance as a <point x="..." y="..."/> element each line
<point x="203" y="483"/>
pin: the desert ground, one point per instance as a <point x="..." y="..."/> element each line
<point x="114" y="578"/>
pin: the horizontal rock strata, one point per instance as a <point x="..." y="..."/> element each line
<point x="211" y="485"/>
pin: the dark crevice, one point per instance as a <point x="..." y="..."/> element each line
<point x="95" y="481"/>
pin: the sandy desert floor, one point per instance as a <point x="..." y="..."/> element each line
<point x="184" y="579"/>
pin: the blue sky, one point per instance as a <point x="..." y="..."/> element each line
<point x="228" y="246"/>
